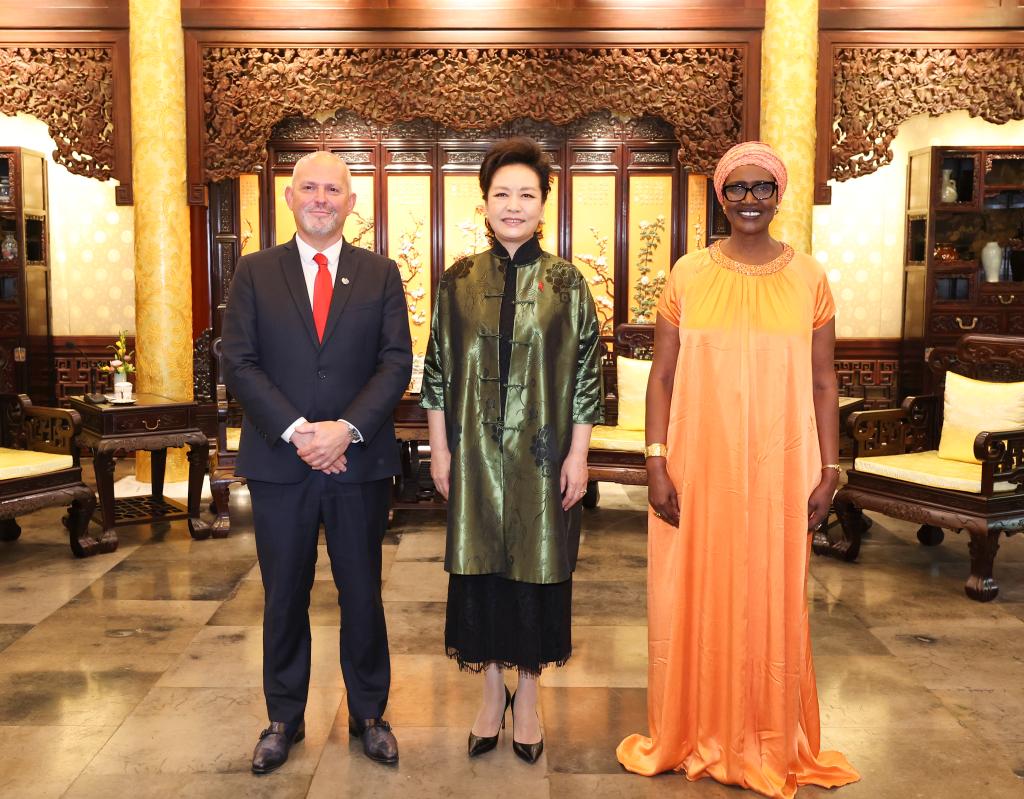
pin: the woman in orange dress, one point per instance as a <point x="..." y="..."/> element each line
<point x="742" y="434"/>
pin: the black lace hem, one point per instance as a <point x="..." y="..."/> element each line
<point x="523" y="626"/>
<point x="474" y="667"/>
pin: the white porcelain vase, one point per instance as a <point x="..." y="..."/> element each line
<point x="991" y="259"/>
<point x="948" y="191"/>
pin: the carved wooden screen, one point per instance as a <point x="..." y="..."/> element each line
<point x="615" y="208"/>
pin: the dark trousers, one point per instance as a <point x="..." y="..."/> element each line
<point x="287" y="519"/>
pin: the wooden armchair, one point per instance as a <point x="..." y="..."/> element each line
<point x="39" y="467"/>
<point x="224" y="454"/>
<point x="617" y="452"/>
<point x="992" y="502"/>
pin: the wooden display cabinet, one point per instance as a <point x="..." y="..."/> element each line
<point x="25" y="335"/>
<point x="958" y="199"/>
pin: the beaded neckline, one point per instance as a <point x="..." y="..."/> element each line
<point x="769" y="268"/>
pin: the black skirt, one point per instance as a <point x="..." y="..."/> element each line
<point x="524" y="626"/>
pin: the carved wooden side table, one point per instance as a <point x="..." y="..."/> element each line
<point x="152" y="423"/>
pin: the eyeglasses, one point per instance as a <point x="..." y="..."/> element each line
<point x="737" y="192"/>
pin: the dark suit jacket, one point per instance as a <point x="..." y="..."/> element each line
<point x="278" y="371"/>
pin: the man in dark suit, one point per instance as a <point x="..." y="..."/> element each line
<point x="317" y="351"/>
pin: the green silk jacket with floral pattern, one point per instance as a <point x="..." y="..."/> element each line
<point x="504" y="507"/>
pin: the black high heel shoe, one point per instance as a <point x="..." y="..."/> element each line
<point x="527" y="752"/>
<point x="479" y="744"/>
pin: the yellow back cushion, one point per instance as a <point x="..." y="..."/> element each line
<point x="632" y="375"/>
<point x="976" y="406"/>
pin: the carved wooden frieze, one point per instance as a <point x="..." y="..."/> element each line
<point x="71" y="90"/>
<point x="698" y="91"/>
<point x="875" y="89"/>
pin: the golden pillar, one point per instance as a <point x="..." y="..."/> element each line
<point x="789" y="69"/>
<point x="163" y="281"/>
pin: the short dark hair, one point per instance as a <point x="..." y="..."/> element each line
<point x="519" y="150"/>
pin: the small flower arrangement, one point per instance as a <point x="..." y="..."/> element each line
<point x="122" y="360"/>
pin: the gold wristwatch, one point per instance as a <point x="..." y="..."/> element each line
<point x="656" y="451"/>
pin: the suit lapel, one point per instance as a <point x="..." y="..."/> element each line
<point x="291" y="266"/>
<point x="344" y="281"/>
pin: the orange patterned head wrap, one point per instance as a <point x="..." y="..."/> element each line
<point x="755" y="153"/>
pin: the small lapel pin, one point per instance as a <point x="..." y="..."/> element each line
<point x="540" y="285"/>
<point x="344" y="281"/>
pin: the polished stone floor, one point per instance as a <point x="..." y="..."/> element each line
<point x="137" y="674"/>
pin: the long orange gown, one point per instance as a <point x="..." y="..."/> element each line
<point x="731" y="690"/>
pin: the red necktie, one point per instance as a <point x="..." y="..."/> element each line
<point x="322" y="290"/>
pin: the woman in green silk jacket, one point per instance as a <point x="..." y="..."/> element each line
<point x="512" y="388"/>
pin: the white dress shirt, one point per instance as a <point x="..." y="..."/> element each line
<point x="309" y="271"/>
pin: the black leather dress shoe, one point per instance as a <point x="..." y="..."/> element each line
<point x="527" y="752"/>
<point x="271" y="750"/>
<point x="379" y="742"/>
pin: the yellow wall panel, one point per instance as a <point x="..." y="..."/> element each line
<point x="409" y="244"/>
<point x="360" y="225"/>
<point x="464" y="215"/>
<point x="650" y="209"/>
<point x="284" y="222"/>
<point x="249" y="212"/>
<point x="593" y="240"/>
<point x="696" y="212"/>
<point x="549" y="237"/>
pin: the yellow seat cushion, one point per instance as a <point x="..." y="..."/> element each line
<point x="234" y="435"/>
<point x="975" y="406"/>
<point x="26" y="463"/>
<point x="617" y="438"/>
<point x="928" y="469"/>
<point x="632" y="374"/>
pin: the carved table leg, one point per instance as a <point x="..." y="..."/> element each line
<point x="9" y="530"/>
<point x="851" y="521"/>
<point x="158" y="468"/>
<point x="981" y="586"/>
<point x="103" y="466"/>
<point x="220" y="487"/>
<point x="76" y="521"/>
<point x="593" y="495"/>
<point x="930" y="535"/>
<point x="198" y="459"/>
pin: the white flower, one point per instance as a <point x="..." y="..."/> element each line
<point x="643" y="280"/>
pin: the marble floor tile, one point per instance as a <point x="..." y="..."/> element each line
<point x="225" y="657"/>
<point x="836" y="629"/>
<point x="432" y="765"/>
<point x="582" y="726"/>
<point x="41" y="762"/>
<point x="415" y="628"/>
<point x="603" y="656"/>
<point x="278" y="785"/>
<point x="416" y="581"/>
<point x="609" y="602"/>
<point x="140" y="578"/>
<point x="426" y="545"/>
<point x="40" y="579"/>
<point x="201" y="730"/>
<point x="876" y="691"/>
<point x="117" y="626"/>
<point x="94" y="690"/>
<point x="951" y="655"/>
<point x="632" y="786"/>
<point x="171" y="541"/>
<point x="9" y="633"/>
<point x="430" y="691"/>
<point x="608" y="555"/>
<point x="894" y="765"/>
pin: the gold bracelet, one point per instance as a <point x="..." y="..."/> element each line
<point x="656" y="451"/>
<point x="836" y="466"/>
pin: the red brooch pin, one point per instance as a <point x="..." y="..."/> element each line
<point x="540" y="286"/>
